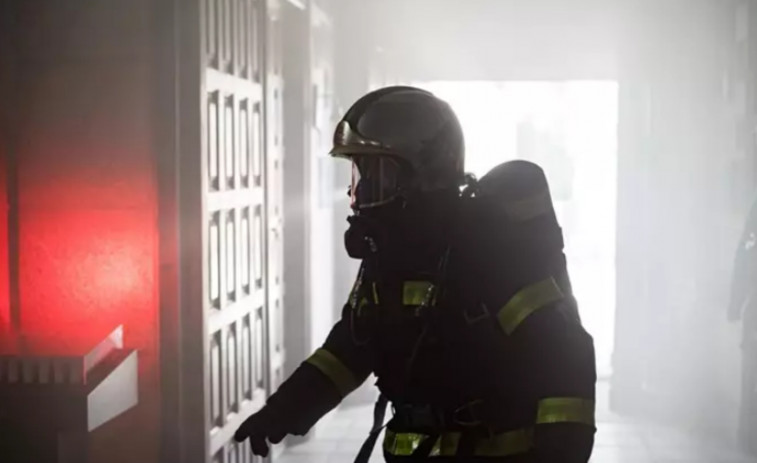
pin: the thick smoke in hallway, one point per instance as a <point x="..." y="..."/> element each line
<point x="284" y="231"/>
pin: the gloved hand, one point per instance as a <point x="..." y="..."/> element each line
<point x="261" y="428"/>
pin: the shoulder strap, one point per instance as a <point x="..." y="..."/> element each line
<point x="379" y="413"/>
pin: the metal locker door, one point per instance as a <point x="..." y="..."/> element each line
<point x="225" y="192"/>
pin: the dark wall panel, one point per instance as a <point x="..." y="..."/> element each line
<point x="87" y="193"/>
<point x="54" y="31"/>
<point x="87" y="202"/>
<point x="7" y="56"/>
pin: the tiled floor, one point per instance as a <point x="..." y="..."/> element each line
<point x="339" y="436"/>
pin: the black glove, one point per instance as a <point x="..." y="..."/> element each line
<point x="261" y="428"/>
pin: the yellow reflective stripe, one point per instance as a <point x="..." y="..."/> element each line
<point x="527" y="301"/>
<point x="354" y="293"/>
<point x="565" y="410"/>
<point x="446" y="445"/>
<point x="505" y="444"/>
<point x="528" y="208"/>
<point x="364" y="301"/>
<point x="335" y="370"/>
<point x="402" y="444"/>
<point x="415" y="292"/>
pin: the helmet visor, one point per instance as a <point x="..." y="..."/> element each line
<point x="376" y="180"/>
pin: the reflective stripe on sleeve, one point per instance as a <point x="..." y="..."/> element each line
<point x="527" y="301"/>
<point x="565" y="410"/>
<point x="335" y="370"/>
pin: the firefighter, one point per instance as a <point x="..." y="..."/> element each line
<point x="461" y="308"/>
<point x="743" y="306"/>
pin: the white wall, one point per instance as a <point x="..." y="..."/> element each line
<point x="498" y="39"/>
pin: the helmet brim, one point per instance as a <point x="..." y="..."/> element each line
<point x="350" y="151"/>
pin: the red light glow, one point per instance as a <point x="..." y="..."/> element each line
<point x="85" y="272"/>
<point x="4" y="277"/>
<point x="88" y="229"/>
<point x="84" y="141"/>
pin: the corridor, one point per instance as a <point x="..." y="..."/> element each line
<point x="178" y="222"/>
<point x="618" y="440"/>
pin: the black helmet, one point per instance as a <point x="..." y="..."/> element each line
<point x="401" y="141"/>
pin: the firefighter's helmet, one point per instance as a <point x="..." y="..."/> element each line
<point x="402" y="141"/>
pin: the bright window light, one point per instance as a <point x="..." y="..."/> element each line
<point x="570" y="130"/>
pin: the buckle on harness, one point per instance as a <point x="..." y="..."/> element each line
<point x="473" y="415"/>
<point x="482" y="313"/>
